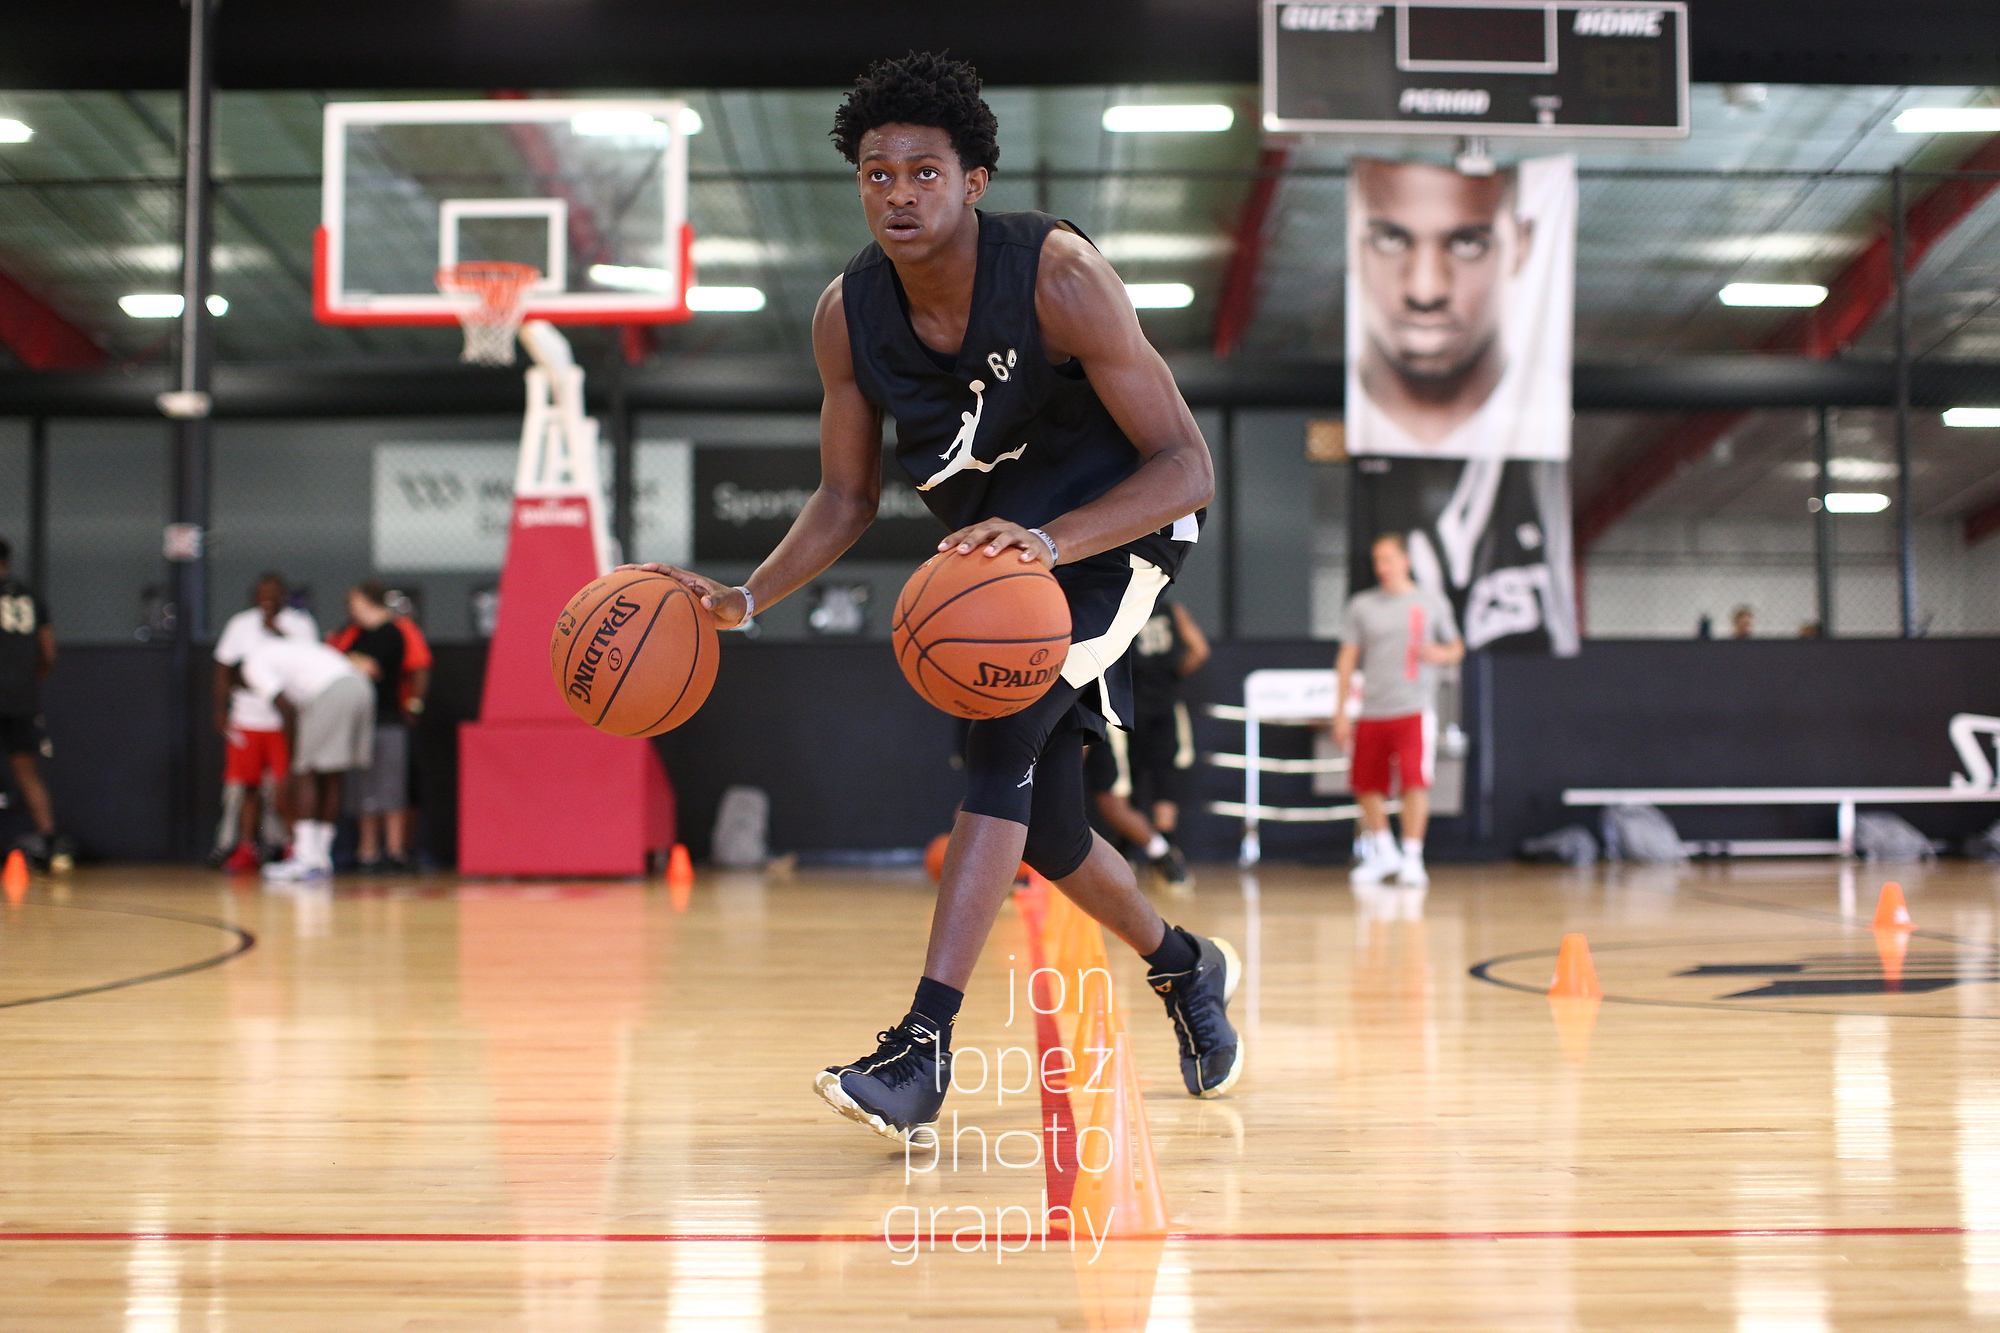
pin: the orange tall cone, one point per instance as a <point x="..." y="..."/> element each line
<point x="1575" y="974"/>
<point x="1892" y="913"/>
<point x="680" y="877"/>
<point x="14" y="879"/>
<point x="1117" y="1182"/>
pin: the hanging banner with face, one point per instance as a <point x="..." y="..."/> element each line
<point x="1460" y="305"/>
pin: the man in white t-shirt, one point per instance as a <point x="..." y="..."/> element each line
<point x="329" y="711"/>
<point x="251" y="728"/>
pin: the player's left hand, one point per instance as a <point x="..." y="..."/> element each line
<point x="994" y="536"/>
<point x="1435" y="654"/>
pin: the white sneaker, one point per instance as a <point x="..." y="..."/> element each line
<point x="287" y="870"/>
<point x="1374" y="867"/>
<point x="1410" y="872"/>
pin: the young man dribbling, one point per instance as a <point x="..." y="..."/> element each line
<point x="1040" y="426"/>
<point x="1399" y="634"/>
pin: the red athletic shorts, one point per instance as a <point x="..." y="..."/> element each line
<point x="1377" y="740"/>
<point x="253" y="753"/>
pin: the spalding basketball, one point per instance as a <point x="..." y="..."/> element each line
<point x="981" y="636"/>
<point x="634" y="653"/>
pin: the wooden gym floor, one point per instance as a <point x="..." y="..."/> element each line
<point x="437" y="1106"/>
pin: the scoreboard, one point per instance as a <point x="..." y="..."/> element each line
<point x="1534" y="68"/>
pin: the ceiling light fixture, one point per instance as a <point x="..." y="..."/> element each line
<point x="1773" y="294"/>
<point x="1973" y="417"/>
<point x="737" y="299"/>
<point x="1856" y="502"/>
<point x="1948" y="120"/>
<point x="1206" y="118"/>
<point x="15" y="131"/>
<point x="165" y="305"/>
<point x="1160" y="295"/>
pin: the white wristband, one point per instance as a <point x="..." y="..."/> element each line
<point x="1048" y="541"/>
<point x="749" y="608"/>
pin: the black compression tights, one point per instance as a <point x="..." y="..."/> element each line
<point x="1028" y="768"/>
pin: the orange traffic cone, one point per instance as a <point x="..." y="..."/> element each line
<point x="1117" y="1183"/>
<point x="14" y="879"/>
<point x="1575" y="975"/>
<point x="680" y="877"/>
<point x="1892" y="913"/>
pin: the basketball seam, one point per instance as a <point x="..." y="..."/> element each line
<point x="632" y="657"/>
<point x="694" y="669"/>
<point x="965" y="592"/>
<point x="569" y="658"/>
<point x="924" y="656"/>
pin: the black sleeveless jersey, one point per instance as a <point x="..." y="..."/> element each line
<point x="996" y="431"/>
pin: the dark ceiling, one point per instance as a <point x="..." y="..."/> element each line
<point x="389" y="44"/>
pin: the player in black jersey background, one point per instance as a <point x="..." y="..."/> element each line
<point x="1039" y="425"/>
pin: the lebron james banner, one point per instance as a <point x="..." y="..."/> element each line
<point x="1460" y="300"/>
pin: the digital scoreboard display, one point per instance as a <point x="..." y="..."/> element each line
<point x="1501" y="67"/>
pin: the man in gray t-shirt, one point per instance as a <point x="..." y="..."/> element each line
<point x="1398" y="634"/>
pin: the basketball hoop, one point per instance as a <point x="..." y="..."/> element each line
<point x="490" y="297"/>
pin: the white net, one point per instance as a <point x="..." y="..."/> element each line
<point x="490" y="297"/>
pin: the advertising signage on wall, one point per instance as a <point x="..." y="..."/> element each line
<point x="746" y="498"/>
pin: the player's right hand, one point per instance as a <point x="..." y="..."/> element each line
<point x="1343" y="733"/>
<point x="723" y="602"/>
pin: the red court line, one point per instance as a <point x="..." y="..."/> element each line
<point x="844" y="1238"/>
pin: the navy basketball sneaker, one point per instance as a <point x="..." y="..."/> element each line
<point x="1198" y="1000"/>
<point x="897" y="1090"/>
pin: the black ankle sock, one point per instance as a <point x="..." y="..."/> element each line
<point x="937" y="1002"/>
<point x="1177" y="953"/>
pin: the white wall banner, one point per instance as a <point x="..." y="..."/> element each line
<point x="442" y="508"/>
<point x="1460" y="318"/>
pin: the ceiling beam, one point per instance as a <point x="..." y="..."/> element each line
<point x="1856" y="296"/>
<point x="40" y="336"/>
<point x="1237" y="305"/>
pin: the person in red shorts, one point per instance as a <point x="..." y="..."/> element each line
<point x="251" y="728"/>
<point x="1398" y="634"/>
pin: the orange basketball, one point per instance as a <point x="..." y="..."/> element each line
<point x="981" y="636"/>
<point x="634" y="653"/>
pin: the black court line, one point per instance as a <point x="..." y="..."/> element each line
<point x="245" y="942"/>
<point x="1482" y="971"/>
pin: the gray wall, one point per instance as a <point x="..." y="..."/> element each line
<point x="107" y="507"/>
<point x="14" y="492"/>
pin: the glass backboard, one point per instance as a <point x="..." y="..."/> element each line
<point x="592" y="193"/>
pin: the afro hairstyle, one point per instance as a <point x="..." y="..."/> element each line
<point x="921" y="88"/>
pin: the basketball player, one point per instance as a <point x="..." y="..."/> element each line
<point x="391" y="651"/>
<point x="252" y="730"/>
<point x="1399" y="634"/>
<point x="27" y="655"/>
<point x="1039" y="425"/>
<point x="328" y="708"/>
<point x="1136" y="779"/>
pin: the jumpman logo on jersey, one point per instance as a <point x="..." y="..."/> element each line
<point x="1030" y="778"/>
<point x="959" y="457"/>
